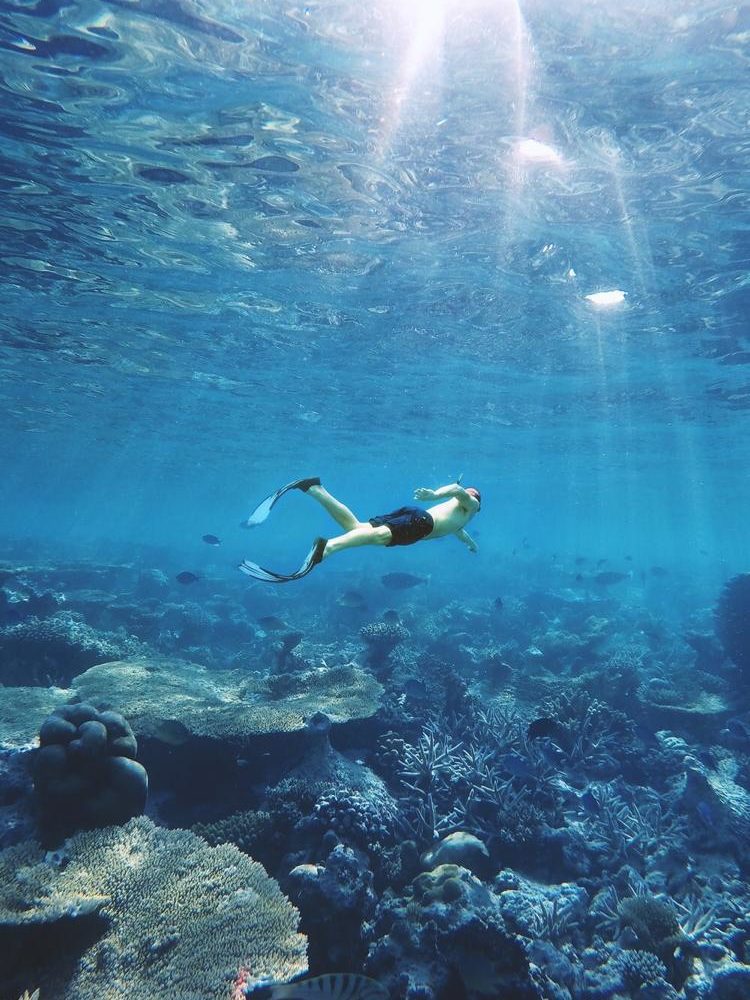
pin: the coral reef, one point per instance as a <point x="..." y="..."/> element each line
<point x="448" y="929"/>
<point x="732" y="620"/>
<point x="175" y="916"/>
<point x="50" y="651"/>
<point x="335" y="899"/>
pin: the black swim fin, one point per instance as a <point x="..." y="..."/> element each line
<point x="264" y="508"/>
<point x="313" y="557"/>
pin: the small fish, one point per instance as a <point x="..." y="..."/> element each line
<point x="271" y="623"/>
<point x="401" y="581"/>
<point x="335" y="986"/>
<point x="351" y="599"/>
<point x="580" y="560"/>
<point x="186" y="577"/>
<point x="659" y="571"/>
<point x="705" y="812"/>
<point x="516" y="764"/>
<point x="544" y="726"/>
<point x="211" y="540"/>
<point x="497" y="604"/>
<point x="610" y="576"/>
<point x="390" y="616"/>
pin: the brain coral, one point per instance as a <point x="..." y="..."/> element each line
<point x="173" y="699"/>
<point x="182" y="919"/>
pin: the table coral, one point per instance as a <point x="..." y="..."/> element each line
<point x="168" y="698"/>
<point x="180" y="918"/>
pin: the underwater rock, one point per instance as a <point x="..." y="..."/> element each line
<point x="459" y="848"/>
<point x="174" y="700"/>
<point x="732" y="620"/>
<point x="85" y="772"/>
<point x="182" y="919"/>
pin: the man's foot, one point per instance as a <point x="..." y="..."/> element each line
<point x="319" y="547"/>
<point x="305" y="484"/>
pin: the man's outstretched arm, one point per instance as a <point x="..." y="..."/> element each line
<point x="465" y="537"/>
<point x="446" y="492"/>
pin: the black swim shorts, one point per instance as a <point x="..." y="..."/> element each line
<point x="407" y="524"/>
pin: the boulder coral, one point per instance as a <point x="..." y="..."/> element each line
<point x="85" y="772"/>
<point x="176" y="917"/>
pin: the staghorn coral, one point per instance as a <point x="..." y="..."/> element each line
<point x="175" y="700"/>
<point x="180" y="918"/>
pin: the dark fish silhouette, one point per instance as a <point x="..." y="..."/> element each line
<point x="390" y="616"/>
<point x="351" y="599"/>
<point x="186" y="577"/>
<point x="610" y="576"/>
<point x="542" y="727"/>
<point x="401" y="581"/>
<point x="271" y="623"/>
<point x="580" y="560"/>
<point x="497" y="604"/>
<point x="291" y="641"/>
<point x="211" y="540"/>
<point x="601" y="562"/>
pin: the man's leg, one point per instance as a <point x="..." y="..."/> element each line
<point x="338" y="511"/>
<point x="363" y="534"/>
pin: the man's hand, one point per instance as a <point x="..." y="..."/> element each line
<point x="424" y="494"/>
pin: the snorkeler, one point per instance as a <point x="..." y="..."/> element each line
<point x="404" y="526"/>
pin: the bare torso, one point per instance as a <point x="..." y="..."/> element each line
<point x="449" y="517"/>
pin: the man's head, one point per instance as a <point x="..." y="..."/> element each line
<point x="474" y="492"/>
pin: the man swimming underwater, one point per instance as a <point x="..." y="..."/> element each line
<point x="404" y="526"/>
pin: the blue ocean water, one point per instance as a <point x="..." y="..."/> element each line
<point x="244" y="243"/>
<point x="388" y="244"/>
